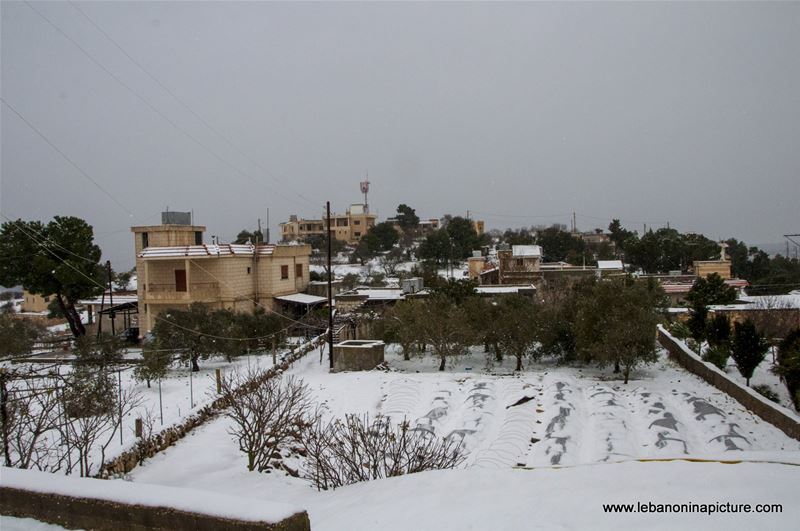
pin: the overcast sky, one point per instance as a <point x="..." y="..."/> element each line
<point x="520" y="113"/>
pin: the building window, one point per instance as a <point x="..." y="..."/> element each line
<point x="298" y="270"/>
<point x="357" y="234"/>
<point x="145" y="241"/>
<point x="356" y="222"/>
<point x="284" y="272"/>
<point x="198" y="237"/>
<point x="47" y="299"/>
<point x="248" y="270"/>
<point x="520" y="262"/>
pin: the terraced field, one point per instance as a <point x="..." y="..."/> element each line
<point x="561" y="419"/>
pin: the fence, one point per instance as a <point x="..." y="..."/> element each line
<point x="162" y="440"/>
<point x="780" y="417"/>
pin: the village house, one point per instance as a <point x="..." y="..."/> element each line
<point x="33" y="303"/>
<point x="677" y="285"/>
<point x="177" y="269"/>
<point x="349" y="227"/>
<point x="515" y="265"/>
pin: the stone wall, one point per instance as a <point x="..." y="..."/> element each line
<point x="162" y="440"/>
<point x="355" y="355"/>
<point x="101" y="515"/>
<point x="782" y="418"/>
<point x="85" y="503"/>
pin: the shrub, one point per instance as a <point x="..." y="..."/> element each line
<point x="342" y="452"/>
<point x="765" y="391"/>
<point x="788" y="367"/>
<point x="265" y="415"/>
<point x="718" y="355"/>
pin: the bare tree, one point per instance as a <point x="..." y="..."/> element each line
<point x="342" y="452"/>
<point x="30" y="417"/>
<point x="266" y="413"/>
<point x="391" y="261"/>
<point x="774" y="318"/>
<point x="89" y="433"/>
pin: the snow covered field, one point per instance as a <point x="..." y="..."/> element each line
<point x="569" y="444"/>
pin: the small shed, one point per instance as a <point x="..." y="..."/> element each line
<point x="357" y="355"/>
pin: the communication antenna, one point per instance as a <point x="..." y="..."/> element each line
<point x="365" y="190"/>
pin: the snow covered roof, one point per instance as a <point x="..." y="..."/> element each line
<point x="497" y="290"/>
<point x="199" y="251"/>
<point x="526" y="251"/>
<point x="381" y="294"/>
<point x="302" y="298"/>
<point x="118" y="299"/>
<point x="610" y="264"/>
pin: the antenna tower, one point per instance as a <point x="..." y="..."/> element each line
<point x="365" y="190"/>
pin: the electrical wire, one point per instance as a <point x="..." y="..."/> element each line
<point x="186" y="105"/>
<point x="148" y="104"/>
<point x="197" y="332"/>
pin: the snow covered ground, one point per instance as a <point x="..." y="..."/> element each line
<point x="544" y="449"/>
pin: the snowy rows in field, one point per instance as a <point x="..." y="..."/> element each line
<point x="561" y="417"/>
<point x="544" y="417"/>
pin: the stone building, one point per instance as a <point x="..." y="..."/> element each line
<point x="348" y="227"/>
<point x="176" y="269"/>
<point x="34" y="303"/>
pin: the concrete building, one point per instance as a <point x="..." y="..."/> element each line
<point x="33" y="303"/>
<point x="348" y="227"/>
<point x="520" y="264"/>
<point x="177" y="269"/>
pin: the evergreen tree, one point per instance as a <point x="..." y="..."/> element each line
<point x="17" y="336"/>
<point x="381" y="237"/>
<point x="253" y="237"/>
<point x="516" y="330"/>
<point x="719" y="330"/>
<point x="153" y="366"/>
<point x="616" y="322"/>
<point x="437" y="248"/>
<point x="619" y="235"/>
<point x="749" y="348"/>
<point x="58" y="259"/>
<point x="710" y="290"/>
<point x="444" y="326"/>
<point x="788" y="367"/>
<point x="407" y="217"/>
<point x="188" y="333"/>
<point x="402" y="326"/>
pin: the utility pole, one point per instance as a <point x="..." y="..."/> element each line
<point x="111" y="298"/>
<point x="267" y="240"/>
<point x="330" y="298"/>
<point x="256" y="272"/>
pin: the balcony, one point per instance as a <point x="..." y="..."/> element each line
<point x="196" y="292"/>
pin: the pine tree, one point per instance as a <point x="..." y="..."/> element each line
<point x="749" y="348"/>
<point x="788" y="367"/>
<point x="59" y="259"/>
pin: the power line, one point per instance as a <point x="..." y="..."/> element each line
<point x="64" y="155"/>
<point x="146" y="102"/>
<point x="84" y="173"/>
<point x="186" y="105"/>
<point x="155" y="316"/>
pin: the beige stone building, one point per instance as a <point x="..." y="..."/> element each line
<point x="348" y="227"/>
<point x="177" y="269"/>
<point x="35" y="303"/>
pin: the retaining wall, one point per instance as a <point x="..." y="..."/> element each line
<point x="84" y="503"/>
<point x="780" y="417"/>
